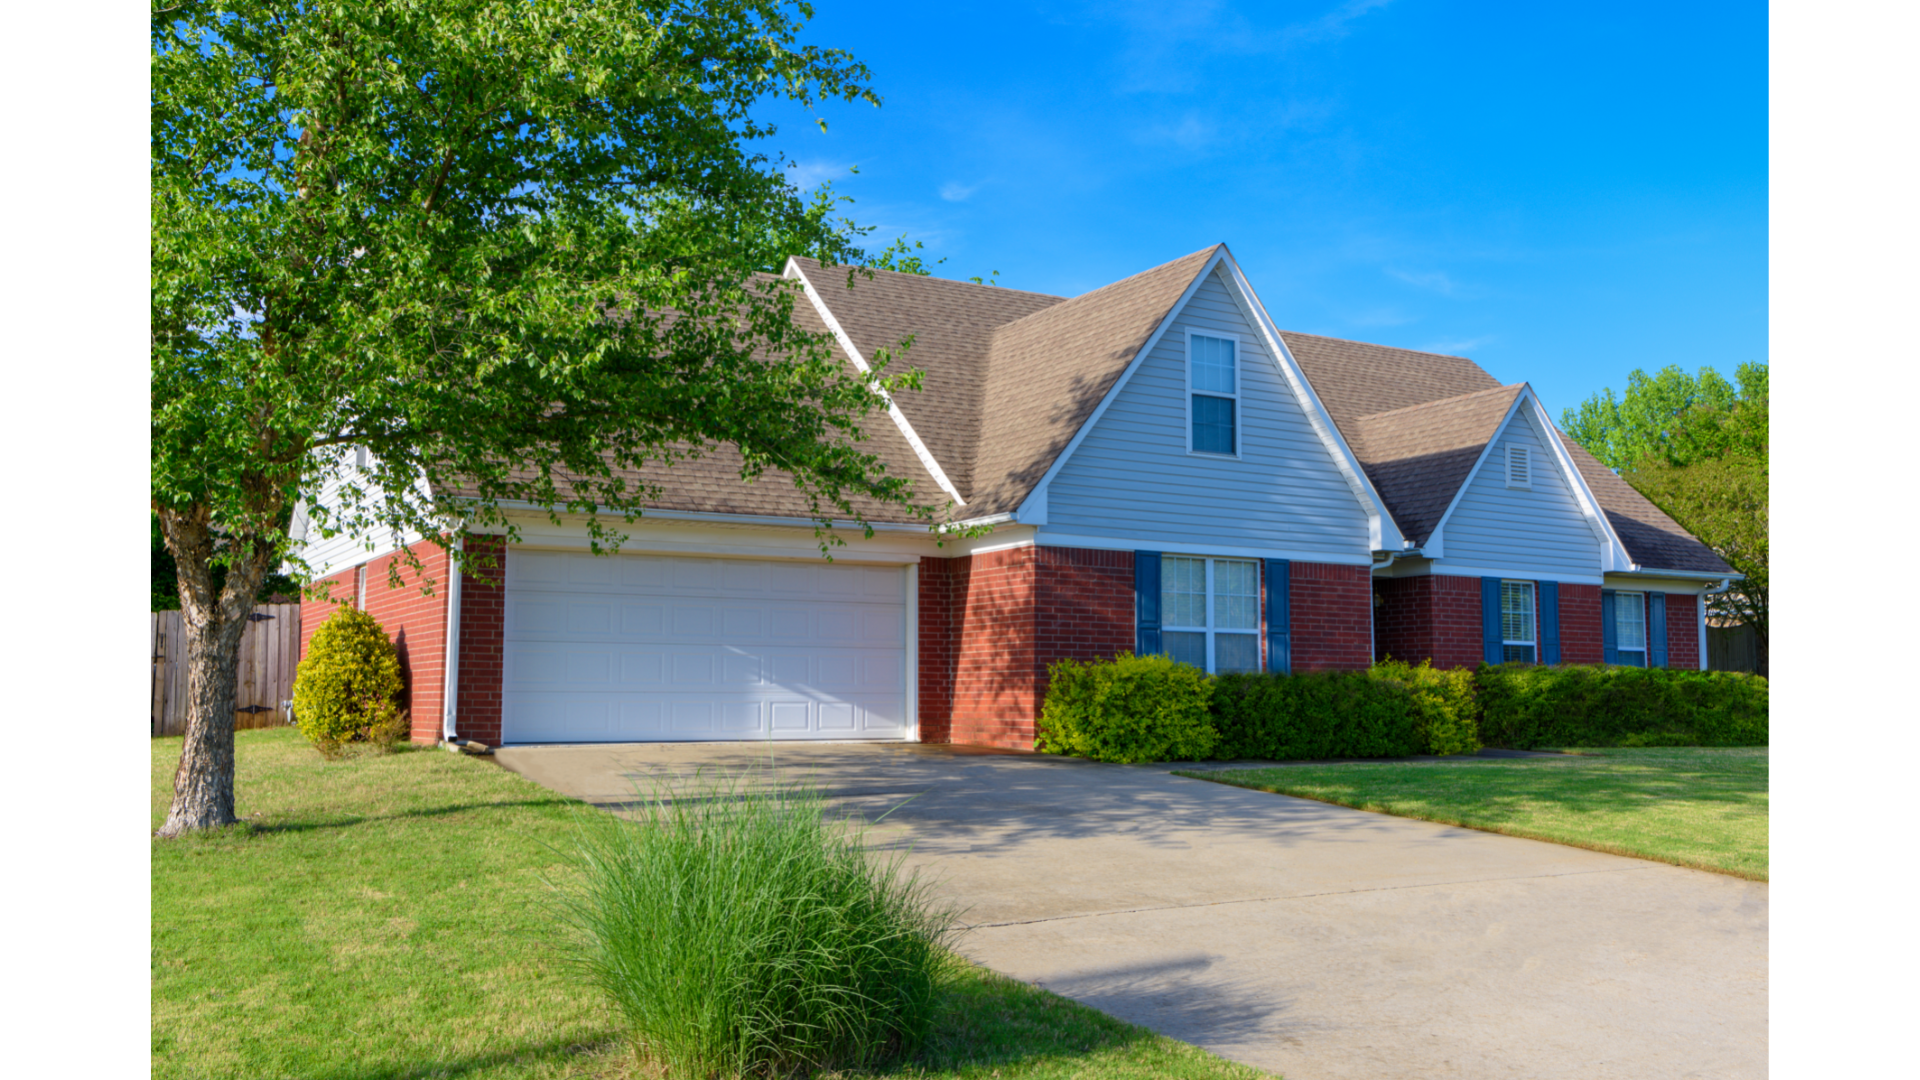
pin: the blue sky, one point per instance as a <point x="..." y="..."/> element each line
<point x="1561" y="193"/>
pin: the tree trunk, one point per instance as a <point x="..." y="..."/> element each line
<point x="213" y="626"/>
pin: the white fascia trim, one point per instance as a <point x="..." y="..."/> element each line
<point x="1037" y="497"/>
<point x="1441" y="569"/>
<point x="899" y="418"/>
<point x="1384" y="532"/>
<point x="1049" y="538"/>
<point x="1689" y="575"/>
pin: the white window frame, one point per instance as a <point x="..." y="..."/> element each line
<point x="1640" y="601"/>
<point x="1239" y="381"/>
<point x="1533" y="617"/>
<point x="1257" y="631"/>
<point x="1522" y="456"/>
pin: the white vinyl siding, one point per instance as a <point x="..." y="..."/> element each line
<point x="1133" y="478"/>
<point x="330" y="555"/>
<point x="1538" y="530"/>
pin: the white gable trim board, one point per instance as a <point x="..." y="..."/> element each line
<point x="899" y="418"/>
<point x="1380" y="526"/>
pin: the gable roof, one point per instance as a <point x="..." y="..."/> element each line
<point x="1411" y="416"/>
<point x="1010" y="376"/>
<point x="1420" y="456"/>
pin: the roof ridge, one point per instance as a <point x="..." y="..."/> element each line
<point x="1377" y="345"/>
<point x="1110" y="285"/>
<point x="932" y="277"/>
<point x="1507" y="388"/>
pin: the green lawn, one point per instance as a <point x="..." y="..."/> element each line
<point x="1704" y="808"/>
<point x="387" y="917"/>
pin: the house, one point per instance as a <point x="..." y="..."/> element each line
<point x="1164" y="471"/>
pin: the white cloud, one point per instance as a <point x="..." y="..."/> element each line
<point x="1169" y="44"/>
<point x="955" y="191"/>
<point x="807" y="175"/>
<point x="1437" y="281"/>
<point x="1459" y="348"/>
<point x="1191" y="132"/>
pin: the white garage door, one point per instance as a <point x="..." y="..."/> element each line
<point x="633" y="648"/>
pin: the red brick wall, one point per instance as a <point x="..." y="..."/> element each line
<point x="1330" y="618"/>
<point x="1434" y="616"/>
<point x="991" y="623"/>
<point x="1580" y="624"/>
<point x="416" y="622"/>
<point x="1683" y="631"/>
<point x="483" y="627"/>
<point x="937" y="649"/>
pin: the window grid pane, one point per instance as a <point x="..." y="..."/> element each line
<point x="1213" y="365"/>
<point x="1236" y="652"/>
<point x="1183" y="594"/>
<point x="1522" y="654"/>
<point x="1186" y="648"/>
<point x="1212" y="424"/>
<point x="1630" y="620"/>
<point x="1236" y="594"/>
<point x="1516" y="611"/>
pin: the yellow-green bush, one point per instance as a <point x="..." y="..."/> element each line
<point x="344" y="690"/>
<point x="1129" y="709"/>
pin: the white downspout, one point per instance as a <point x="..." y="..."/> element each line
<point x="1725" y="584"/>
<point x="450" y="688"/>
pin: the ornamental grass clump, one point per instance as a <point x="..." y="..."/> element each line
<point x="739" y="931"/>
<point x="344" y="690"/>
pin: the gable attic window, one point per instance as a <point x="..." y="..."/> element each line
<point x="1519" y="466"/>
<point x="1213" y="395"/>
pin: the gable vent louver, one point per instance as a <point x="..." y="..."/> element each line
<point x="1519" y="467"/>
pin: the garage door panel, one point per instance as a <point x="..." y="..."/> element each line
<point x="665" y="647"/>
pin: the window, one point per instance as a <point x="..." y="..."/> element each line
<point x="1519" y="467"/>
<point x="1516" y="621"/>
<point x="1630" y="627"/>
<point x="1210" y="612"/>
<point x="1213" y="384"/>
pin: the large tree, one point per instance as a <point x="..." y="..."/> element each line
<point x="1696" y="447"/>
<point x="505" y="247"/>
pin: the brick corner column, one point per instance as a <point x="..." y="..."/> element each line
<point x="483" y="625"/>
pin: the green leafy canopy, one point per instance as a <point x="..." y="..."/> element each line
<point x="515" y="250"/>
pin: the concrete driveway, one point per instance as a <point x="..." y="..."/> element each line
<point x="1307" y="939"/>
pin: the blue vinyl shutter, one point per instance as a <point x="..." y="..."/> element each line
<point x="1656" y="629"/>
<point x="1492" y="640"/>
<point x="1146" y="603"/>
<point x="1609" y="634"/>
<point x="1549" y="631"/>
<point x="1279" y="616"/>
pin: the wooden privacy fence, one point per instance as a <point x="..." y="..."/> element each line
<point x="1733" y="648"/>
<point x="268" y="652"/>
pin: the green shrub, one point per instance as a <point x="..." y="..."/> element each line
<point x="1446" y="711"/>
<point x="739" y="932"/>
<point x="344" y="690"/>
<point x="1525" y="707"/>
<point x="1127" y="710"/>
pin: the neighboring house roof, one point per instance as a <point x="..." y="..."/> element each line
<point x="1411" y="417"/>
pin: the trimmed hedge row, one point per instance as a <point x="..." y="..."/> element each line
<point x="1525" y="708"/>
<point x="1134" y="708"/>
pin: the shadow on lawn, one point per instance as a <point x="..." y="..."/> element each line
<point x="554" y="1052"/>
